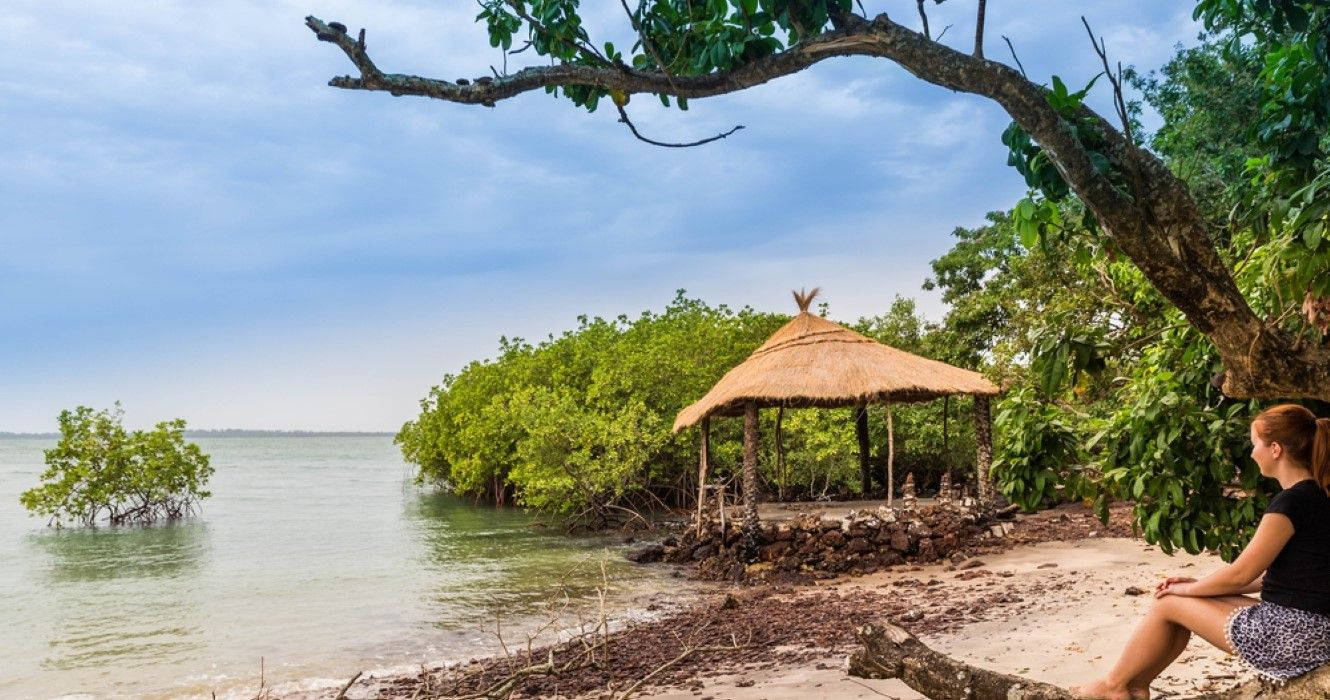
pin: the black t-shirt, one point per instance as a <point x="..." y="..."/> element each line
<point x="1300" y="576"/>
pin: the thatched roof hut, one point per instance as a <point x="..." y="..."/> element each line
<point x="814" y="363"/>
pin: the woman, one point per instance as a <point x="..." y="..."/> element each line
<point x="1287" y="632"/>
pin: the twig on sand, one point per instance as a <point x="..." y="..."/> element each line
<point x="676" y="660"/>
<point x="341" y="694"/>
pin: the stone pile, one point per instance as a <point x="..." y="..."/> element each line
<point x="862" y="542"/>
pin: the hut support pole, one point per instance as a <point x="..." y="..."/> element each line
<point x="780" y="455"/>
<point x="946" y="450"/>
<point x="983" y="434"/>
<point x="891" y="456"/>
<point x="861" y="431"/>
<point x="702" y="470"/>
<point x="750" y="481"/>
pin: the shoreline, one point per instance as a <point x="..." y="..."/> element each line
<point x="1051" y="602"/>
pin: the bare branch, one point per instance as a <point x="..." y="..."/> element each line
<point x="1119" y="103"/>
<point x="623" y="117"/>
<point x="923" y="16"/>
<point x="979" y="30"/>
<point x="1012" y="49"/>
<point x="942" y="33"/>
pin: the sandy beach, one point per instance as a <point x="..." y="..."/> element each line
<point x="1060" y="624"/>
<point x="1054" y="602"/>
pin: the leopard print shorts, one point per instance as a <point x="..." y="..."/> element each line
<point x="1279" y="642"/>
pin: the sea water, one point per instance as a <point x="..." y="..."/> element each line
<point x="315" y="558"/>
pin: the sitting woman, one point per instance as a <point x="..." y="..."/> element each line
<point x="1287" y="632"/>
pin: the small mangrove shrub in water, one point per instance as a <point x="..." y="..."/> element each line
<point x="100" y="471"/>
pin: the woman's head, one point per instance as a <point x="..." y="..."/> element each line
<point x="1291" y="435"/>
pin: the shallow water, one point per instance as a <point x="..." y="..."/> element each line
<point x="316" y="557"/>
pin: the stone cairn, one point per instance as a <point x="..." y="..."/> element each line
<point x="909" y="501"/>
<point x="944" y="494"/>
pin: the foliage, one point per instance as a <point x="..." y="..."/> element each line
<point x="1179" y="450"/>
<point x="1038" y="450"/>
<point x="98" y="469"/>
<point x="680" y="37"/>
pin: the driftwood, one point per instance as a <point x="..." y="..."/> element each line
<point x="891" y="652"/>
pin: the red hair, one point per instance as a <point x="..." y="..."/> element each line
<point x="1304" y="437"/>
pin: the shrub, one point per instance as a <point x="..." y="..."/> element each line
<point x="99" y="470"/>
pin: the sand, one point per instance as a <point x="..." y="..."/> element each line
<point x="1069" y="624"/>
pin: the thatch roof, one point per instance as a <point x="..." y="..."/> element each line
<point x="812" y="362"/>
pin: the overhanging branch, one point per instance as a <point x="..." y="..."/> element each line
<point x="1149" y="214"/>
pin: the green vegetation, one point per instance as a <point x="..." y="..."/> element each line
<point x="580" y="424"/>
<point x="100" y="470"/>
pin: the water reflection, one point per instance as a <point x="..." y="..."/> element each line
<point x="121" y="597"/>
<point x="160" y="551"/>
<point x="482" y="561"/>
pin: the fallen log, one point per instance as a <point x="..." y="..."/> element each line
<point x="891" y="652"/>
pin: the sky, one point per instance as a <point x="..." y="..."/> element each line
<point x="194" y="224"/>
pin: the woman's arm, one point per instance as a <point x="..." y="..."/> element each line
<point x="1254" y="586"/>
<point x="1242" y="575"/>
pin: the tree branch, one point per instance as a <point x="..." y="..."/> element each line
<point x="923" y="17"/>
<point x="1119" y="103"/>
<point x="979" y="32"/>
<point x="1015" y="58"/>
<point x="1144" y="209"/>
<point x="623" y="117"/>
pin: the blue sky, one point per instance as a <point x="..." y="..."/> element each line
<point x="193" y="223"/>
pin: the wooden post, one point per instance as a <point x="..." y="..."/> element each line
<point x="891" y="456"/>
<point x="780" y="455"/>
<point x="983" y="438"/>
<point x="861" y="431"/>
<point x="702" y="470"/>
<point x="750" y="481"/>
<point x="946" y="413"/>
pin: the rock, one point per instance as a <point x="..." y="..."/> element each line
<point x="703" y="552"/>
<point x="745" y="683"/>
<point x="1134" y="590"/>
<point x="971" y="564"/>
<point x="859" y="545"/>
<point x="671" y="541"/>
<point x="1049" y="565"/>
<point x="832" y="538"/>
<point x="649" y="554"/>
<point x="829" y="524"/>
<point x="900" y="542"/>
<point x="774" y="551"/>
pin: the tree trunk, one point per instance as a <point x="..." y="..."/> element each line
<point x="891" y="652"/>
<point x="861" y="432"/>
<point x="750" y="542"/>
<point x="983" y="457"/>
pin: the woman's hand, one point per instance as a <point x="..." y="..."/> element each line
<point x="1174" y="585"/>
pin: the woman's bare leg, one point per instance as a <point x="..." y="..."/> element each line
<point x="1140" y="685"/>
<point x="1153" y="642"/>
